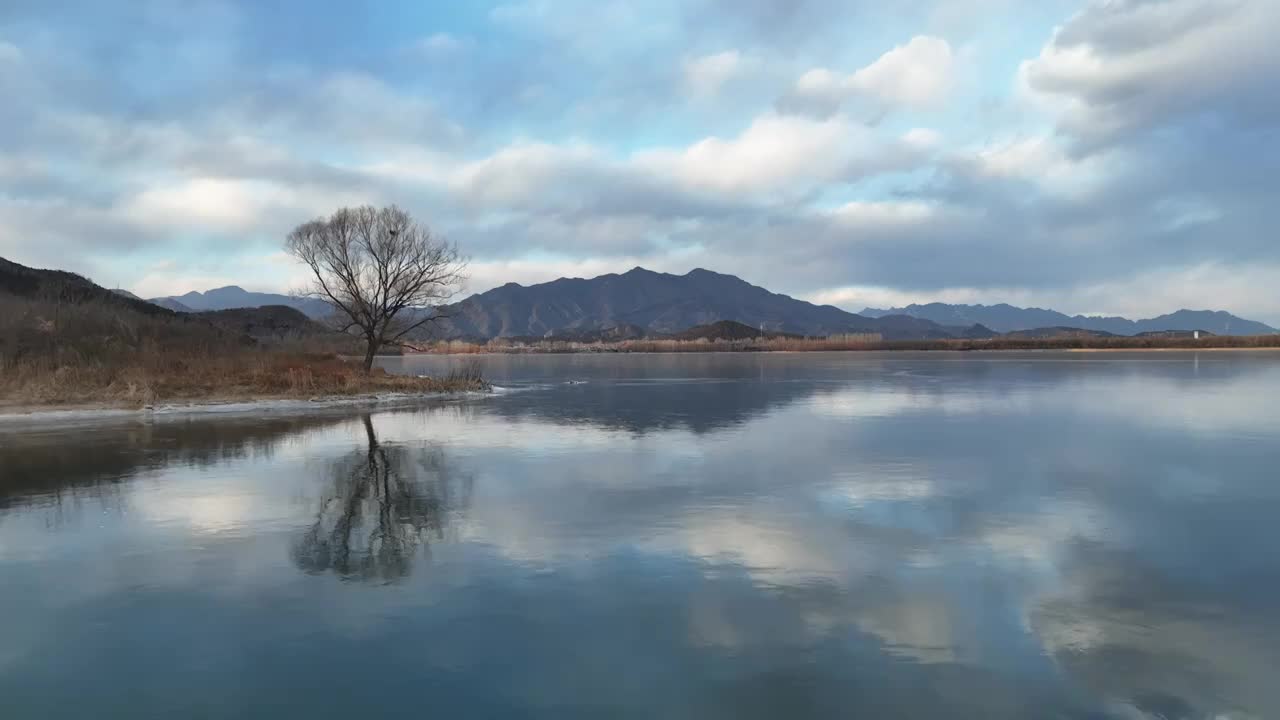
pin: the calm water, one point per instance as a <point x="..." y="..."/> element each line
<point x="711" y="536"/>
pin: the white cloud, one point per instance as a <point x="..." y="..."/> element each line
<point x="918" y="75"/>
<point x="922" y="138"/>
<point x="440" y="43"/>
<point x="225" y="204"/>
<point x="221" y="204"/>
<point x="857" y="297"/>
<point x="273" y="272"/>
<point x="526" y="174"/>
<point x="1042" y="161"/>
<point x="862" y="214"/>
<point x="165" y="279"/>
<point x="705" y="76"/>
<point x="776" y="152"/>
<point x="1118" y="66"/>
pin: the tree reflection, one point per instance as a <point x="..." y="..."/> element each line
<point x="385" y="503"/>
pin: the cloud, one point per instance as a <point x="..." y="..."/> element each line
<point x="705" y="76"/>
<point x="437" y="44"/>
<point x="572" y="182"/>
<point x="345" y="108"/>
<point x="775" y="156"/>
<point x="1132" y="66"/>
<point x="271" y="272"/>
<point x="1133" y="143"/>
<point x="205" y="204"/>
<point x="861" y="214"/>
<point x="918" y="75"/>
<point x="787" y="25"/>
<point x="776" y="153"/>
<point x="62" y="234"/>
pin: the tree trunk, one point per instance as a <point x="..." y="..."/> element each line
<point x="369" y="355"/>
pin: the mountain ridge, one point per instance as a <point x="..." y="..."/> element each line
<point x="232" y="297"/>
<point x="1006" y="318"/>
<point x="665" y="303"/>
<point x="659" y="303"/>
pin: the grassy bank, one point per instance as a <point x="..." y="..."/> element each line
<point x="63" y="354"/>
<point x="827" y="345"/>
<point x="239" y="376"/>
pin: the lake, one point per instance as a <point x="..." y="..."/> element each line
<point x="1039" y="535"/>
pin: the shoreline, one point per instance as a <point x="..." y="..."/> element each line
<point x="180" y="383"/>
<point x="18" y="413"/>
<point x="939" y="350"/>
<point x="88" y="412"/>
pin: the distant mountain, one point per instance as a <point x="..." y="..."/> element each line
<point x="1175" y="334"/>
<point x="232" y="297"/>
<point x="1214" y="321"/>
<point x="973" y="332"/>
<point x="171" y="304"/>
<point x="1005" y="318"/>
<point x="1057" y="333"/>
<point x="726" y="330"/>
<point x="659" y="303"/>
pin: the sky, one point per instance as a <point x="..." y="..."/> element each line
<point x="1116" y="156"/>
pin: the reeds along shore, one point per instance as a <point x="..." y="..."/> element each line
<point x="61" y="354"/>
<point x="457" y="347"/>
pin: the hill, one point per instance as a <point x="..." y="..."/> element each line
<point x="1175" y="334"/>
<point x="271" y="323"/>
<point x="59" y="287"/>
<point x="1057" y="333"/>
<point x="232" y="297"/>
<point x="660" y="304"/>
<point x="727" y="330"/>
<point x="171" y="304"/>
<point x="1006" y="318"/>
<point x="64" y="339"/>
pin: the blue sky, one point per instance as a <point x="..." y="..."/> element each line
<point x="1113" y="157"/>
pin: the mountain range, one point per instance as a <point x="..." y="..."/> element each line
<point x="658" y="303"/>
<point x="1005" y="318"/>
<point x="233" y="297"/>
<point x="663" y="304"/>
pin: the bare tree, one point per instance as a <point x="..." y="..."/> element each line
<point x="385" y="274"/>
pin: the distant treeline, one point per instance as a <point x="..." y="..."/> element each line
<point x="791" y="344"/>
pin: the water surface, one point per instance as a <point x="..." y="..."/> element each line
<point x="1039" y="535"/>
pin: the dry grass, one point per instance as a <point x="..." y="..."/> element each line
<point x="247" y="374"/>
<point x="855" y="343"/>
<point x="57" y="354"/>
